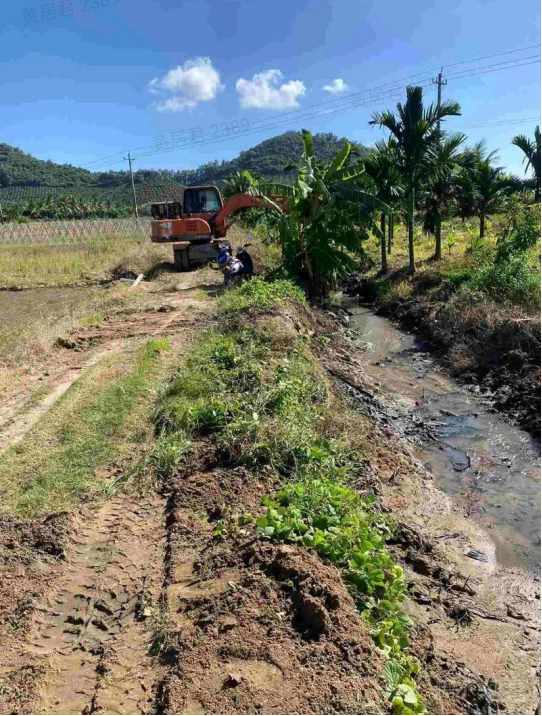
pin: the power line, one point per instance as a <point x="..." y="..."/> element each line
<point x="346" y="98"/>
<point x="484" y="72"/>
<point x="499" y="65"/>
<point x="276" y="124"/>
<point x="503" y="122"/>
<point x="488" y="57"/>
<point x="353" y="104"/>
<point x="395" y="93"/>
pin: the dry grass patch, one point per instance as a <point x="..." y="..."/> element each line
<point x="29" y="266"/>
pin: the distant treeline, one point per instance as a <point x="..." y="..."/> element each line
<point x="19" y="170"/>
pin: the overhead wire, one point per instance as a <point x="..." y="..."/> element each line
<point x="338" y="105"/>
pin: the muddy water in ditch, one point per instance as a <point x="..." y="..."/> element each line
<point x="472" y="451"/>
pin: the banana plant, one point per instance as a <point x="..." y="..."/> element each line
<point x="327" y="218"/>
<point x="239" y="183"/>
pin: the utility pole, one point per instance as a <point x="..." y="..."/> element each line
<point x="440" y="84"/>
<point x="131" y="159"/>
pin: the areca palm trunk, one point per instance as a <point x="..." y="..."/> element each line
<point x="383" y="253"/>
<point x="482" y="224"/>
<point x="411" y="204"/>
<point x="537" y="191"/>
<point x="438" y="236"/>
<point x="390" y="232"/>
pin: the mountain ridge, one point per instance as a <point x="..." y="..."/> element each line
<point x="268" y="158"/>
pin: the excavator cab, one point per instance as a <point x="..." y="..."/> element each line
<point x="202" y="200"/>
<point x="164" y="210"/>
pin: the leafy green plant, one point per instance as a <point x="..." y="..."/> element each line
<point x="513" y="281"/>
<point x="261" y="294"/>
<point x="475" y="242"/>
<point x="321" y="232"/>
<point x="239" y="183"/>
<point x="521" y="231"/>
<point x="451" y="238"/>
<point x="342" y="526"/>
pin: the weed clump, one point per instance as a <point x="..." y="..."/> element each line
<point x="262" y="294"/>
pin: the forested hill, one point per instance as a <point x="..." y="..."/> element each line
<point x="271" y="156"/>
<point x="268" y="158"/>
<point x="19" y="168"/>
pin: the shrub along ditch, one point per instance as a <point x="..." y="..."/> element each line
<point x="265" y="406"/>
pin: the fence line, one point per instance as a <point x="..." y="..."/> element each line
<point x="72" y="233"/>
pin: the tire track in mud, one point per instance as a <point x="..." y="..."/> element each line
<point x="92" y="626"/>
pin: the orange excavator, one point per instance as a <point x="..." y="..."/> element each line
<point x="196" y="227"/>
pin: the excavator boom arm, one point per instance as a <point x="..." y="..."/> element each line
<point x="244" y="201"/>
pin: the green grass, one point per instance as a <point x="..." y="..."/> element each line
<point x="260" y="293"/>
<point x="98" y="422"/>
<point x="266" y="405"/>
<point x="514" y="282"/>
<point x="470" y="269"/>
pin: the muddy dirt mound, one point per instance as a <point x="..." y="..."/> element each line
<point x="260" y="628"/>
<point x="30" y="552"/>
<point x="47" y="536"/>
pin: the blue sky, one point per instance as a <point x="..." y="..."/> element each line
<point x="84" y="80"/>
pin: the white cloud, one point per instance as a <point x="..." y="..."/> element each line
<point x="176" y="104"/>
<point x="194" y="82"/>
<point x="337" y="86"/>
<point x="264" y="91"/>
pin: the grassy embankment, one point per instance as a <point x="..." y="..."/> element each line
<point x="99" y="427"/>
<point x="256" y="390"/>
<point x="482" y="312"/>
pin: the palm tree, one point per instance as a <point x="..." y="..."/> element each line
<point x="531" y="149"/>
<point x="484" y="186"/>
<point x="442" y="185"/>
<point x="415" y="133"/>
<point x="381" y="167"/>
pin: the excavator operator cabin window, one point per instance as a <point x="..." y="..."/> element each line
<point x="197" y="201"/>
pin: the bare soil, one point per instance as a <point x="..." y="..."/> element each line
<point x="257" y="628"/>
